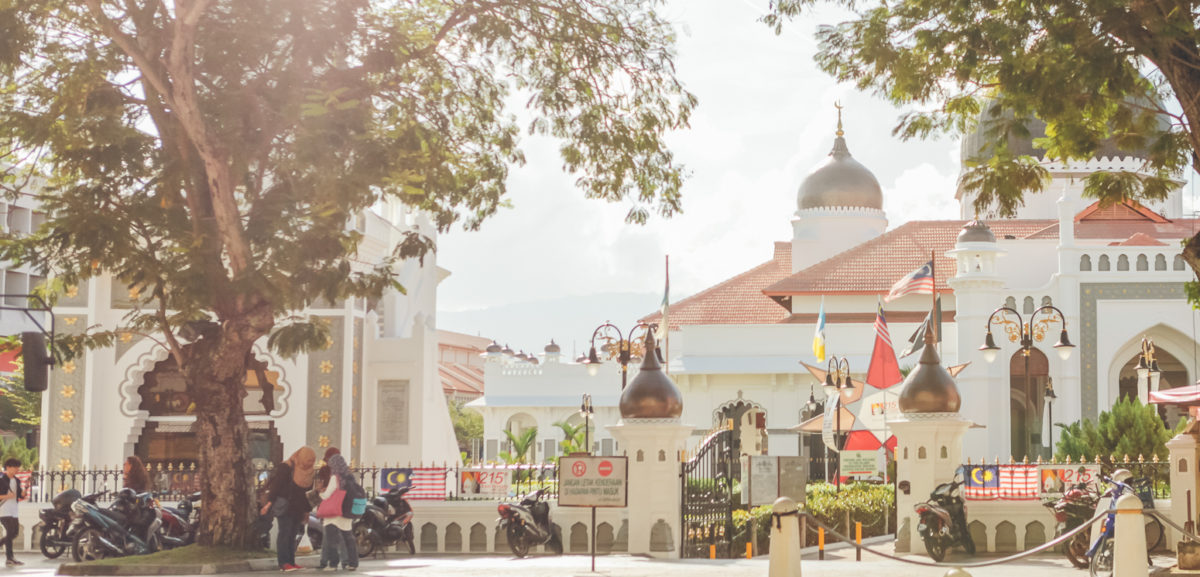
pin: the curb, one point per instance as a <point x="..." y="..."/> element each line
<point x="247" y="566"/>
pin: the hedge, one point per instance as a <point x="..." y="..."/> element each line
<point x="868" y="503"/>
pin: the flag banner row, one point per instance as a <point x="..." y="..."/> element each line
<point x="1021" y="482"/>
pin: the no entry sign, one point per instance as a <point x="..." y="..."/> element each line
<point x="593" y="481"/>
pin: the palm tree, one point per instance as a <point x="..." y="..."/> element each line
<point x="573" y="437"/>
<point x="521" y="444"/>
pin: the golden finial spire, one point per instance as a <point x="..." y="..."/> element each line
<point x="838" y="106"/>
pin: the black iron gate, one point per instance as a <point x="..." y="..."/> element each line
<point x="707" y="500"/>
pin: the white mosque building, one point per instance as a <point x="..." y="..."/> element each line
<point x="736" y="347"/>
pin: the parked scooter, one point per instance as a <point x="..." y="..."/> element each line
<point x="56" y="520"/>
<point x="944" y="520"/>
<point x="177" y="528"/>
<point x="1075" y="507"/>
<point x="1103" y="548"/>
<point x="129" y="527"/>
<point x="528" y="525"/>
<point x="386" y="522"/>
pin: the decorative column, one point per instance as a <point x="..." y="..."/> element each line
<point x="929" y="435"/>
<point x="653" y="437"/>
<point x="1185" y="483"/>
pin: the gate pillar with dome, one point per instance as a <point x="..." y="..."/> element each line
<point x="653" y="438"/>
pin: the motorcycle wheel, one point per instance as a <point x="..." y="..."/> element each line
<point x="1077" y="549"/>
<point x="968" y="544"/>
<point x="1154" y="533"/>
<point x="87" y="546"/>
<point x="935" y="548"/>
<point x="51" y="542"/>
<point x="364" y="541"/>
<point x="516" y="542"/>
<point x="556" y="544"/>
<point x="1102" y="561"/>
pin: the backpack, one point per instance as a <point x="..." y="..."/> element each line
<point x="355" y="502"/>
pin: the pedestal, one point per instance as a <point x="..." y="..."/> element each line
<point x="928" y="451"/>
<point x="1185" y="483"/>
<point x="653" y="447"/>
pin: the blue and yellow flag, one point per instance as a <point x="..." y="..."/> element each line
<point x="819" y="337"/>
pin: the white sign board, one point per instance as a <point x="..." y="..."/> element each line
<point x="860" y="463"/>
<point x="593" y="481"/>
<point x="485" y="481"/>
<point x="770" y="478"/>
<point x="1054" y="479"/>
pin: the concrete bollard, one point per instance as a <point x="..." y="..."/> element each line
<point x="1129" y="549"/>
<point x="785" y="539"/>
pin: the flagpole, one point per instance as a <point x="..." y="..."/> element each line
<point x="933" y="314"/>
<point x="666" y="320"/>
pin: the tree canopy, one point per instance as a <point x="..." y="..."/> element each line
<point x="214" y="155"/>
<point x="1098" y="72"/>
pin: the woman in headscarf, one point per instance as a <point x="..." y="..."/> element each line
<point x="134" y="475"/>
<point x="287" y="502"/>
<point x="339" y="540"/>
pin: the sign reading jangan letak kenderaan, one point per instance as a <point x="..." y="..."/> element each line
<point x="593" y="481"/>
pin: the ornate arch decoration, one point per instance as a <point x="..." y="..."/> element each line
<point x="716" y="414"/>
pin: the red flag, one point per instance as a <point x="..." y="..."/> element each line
<point x="884" y="371"/>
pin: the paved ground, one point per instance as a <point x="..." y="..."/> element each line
<point x="836" y="564"/>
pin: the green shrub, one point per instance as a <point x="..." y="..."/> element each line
<point x="868" y="503"/>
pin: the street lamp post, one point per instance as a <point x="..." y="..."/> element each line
<point x="624" y="352"/>
<point x="1026" y="333"/>
<point x="1147" y="370"/>
<point x="841" y="367"/>
<point x="1050" y="398"/>
<point x="586" y="410"/>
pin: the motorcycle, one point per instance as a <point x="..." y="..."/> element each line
<point x="1070" y="511"/>
<point x="944" y="520"/>
<point x="528" y="524"/>
<point x="129" y="527"/>
<point x="177" y="528"/>
<point x="386" y="522"/>
<point x="56" y="520"/>
<point x="1103" y="548"/>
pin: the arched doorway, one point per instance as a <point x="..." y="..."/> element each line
<point x="1028" y="371"/>
<point x="749" y="424"/>
<point x="520" y="425"/>
<point x="168" y="437"/>
<point x="1173" y="374"/>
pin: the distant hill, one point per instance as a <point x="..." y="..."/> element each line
<point x="568" y="320"/>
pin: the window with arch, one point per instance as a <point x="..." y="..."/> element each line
<point x="945" y="453"/>
<point x="1028" y="305"/>
<point x="1179" y="264"/>
<point x="1123" y="262"/>
<point x="1011" y="303"/>
<point x="1047" y="301"/>
<point x="1183" y="465"/>
<point x="1143" y="263"/>
<point x="1160" y="262"/>
<point x="1104" y="262"/>
<point x="921" y="453"/>
<point x="1085" y="263"/>
<point x="905" y="453"/>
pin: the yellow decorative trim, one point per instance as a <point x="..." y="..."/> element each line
<point x="323" y="441"/>
<point x="68" y="367"/>
<point x="64" y="464"/>
<point x="68" y="391"/>
<point x="66" y="440"/>
<point x="326" y="391"/>
<point x="326" y="367"/>
<point x="323" y="416"/>
<point x="67" y="415"/>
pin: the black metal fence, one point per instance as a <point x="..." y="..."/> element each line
<point x="444" y="483"/>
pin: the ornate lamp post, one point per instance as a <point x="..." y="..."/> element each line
<point x="624" y="351"/>
<point x="839" y="366"/>
<point x="1026" y="333"/>
<point x="1050" y="398"/>
<point x="1147" y="370"/>
<point x="586" y="410"/>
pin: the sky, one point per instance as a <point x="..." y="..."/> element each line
<point x="765" y="118"/>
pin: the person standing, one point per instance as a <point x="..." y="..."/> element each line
<point x="286" y="501"/>
<point x="339" y="537"/>
<point x="10" y="493"/>
<point x="135" y="476"/>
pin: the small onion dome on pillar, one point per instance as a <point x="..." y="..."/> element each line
<point x="929" y="388"/>
<point x="553" y="347"/>
<point x="492" y="352"/>
<point x="507" y="351"/>
<point x="976" y="231"/>
<point x="651" y="394"/>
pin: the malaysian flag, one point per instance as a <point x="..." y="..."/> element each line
<point x="1019" y="482"/>
<point x="982" y="483"/>
<point x="919" y="281"/>
<point x="428" y="483"/>
<point x="884" y="370"/>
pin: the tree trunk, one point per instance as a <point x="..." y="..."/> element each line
<point x="216" y="374"/>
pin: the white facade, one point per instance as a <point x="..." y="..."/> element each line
<point x="374" y="392"/>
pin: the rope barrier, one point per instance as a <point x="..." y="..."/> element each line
<point x="1043" y="547"/>
<point x="1167" y="520"/>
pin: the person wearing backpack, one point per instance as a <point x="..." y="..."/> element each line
<point x="339" y="541"/>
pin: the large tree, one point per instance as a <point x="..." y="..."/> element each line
<point x="1122" y="71"/>
<point x="210" y="154"/>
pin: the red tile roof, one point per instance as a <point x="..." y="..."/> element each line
<point x="739" y="300"/>
<point x="874" y="266"/>
<point x="460" y="379"/>
<point x="1124" y="210"/>
<point x="1139" y="239"/>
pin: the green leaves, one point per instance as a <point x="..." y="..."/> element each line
<point x="1129" y="428"/>
<point x="299" y="336"/>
